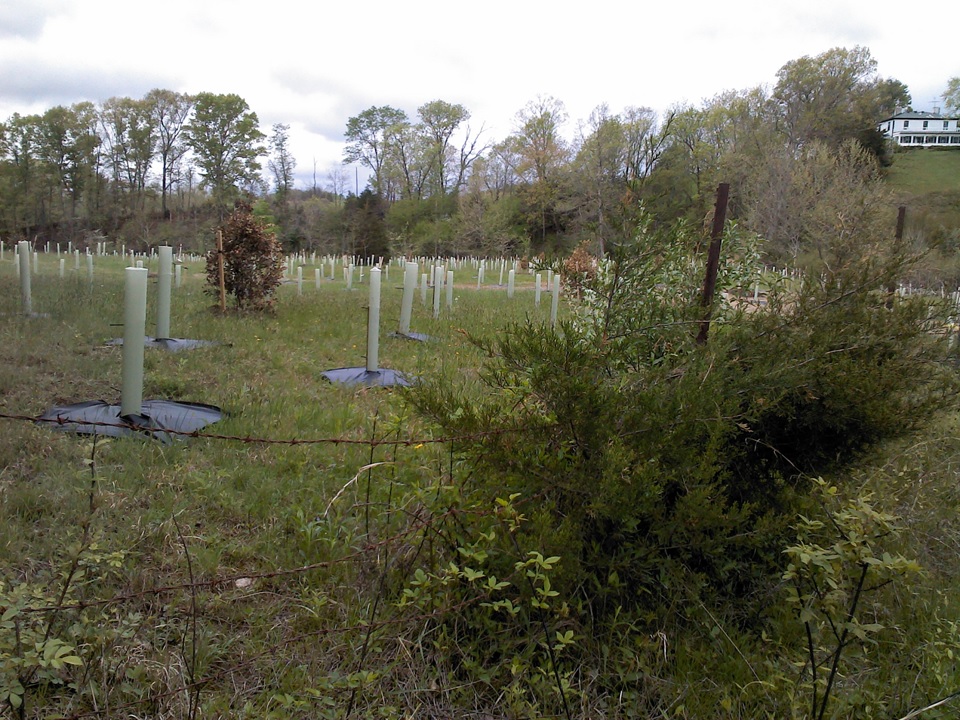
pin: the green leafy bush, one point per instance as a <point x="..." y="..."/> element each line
<point x="666" y="472"/>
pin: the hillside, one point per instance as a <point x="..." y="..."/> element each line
<point x="927" y="182"/>
<point x="919" y="172"/>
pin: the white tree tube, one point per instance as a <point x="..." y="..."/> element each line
<point x="449" y="287"/>
<point x="373" y="323"/>
<point x="90" y="267"/>
<point x="410" y="270"/>
<point x="556" y="301"/>
<point x="316" y="278"/>
<point x="164" y="281"/>
<point x="437" y="287"/>
<point x="36" y="263"/>
<point x="178" y="275"/>
<point x="536" y="290"/>
<point x="62" y="267"/>
<point x="511" y="280"/>
<point x="480" y="276"/>
<point x="134" y="337"/>
<point x="423" y="288"/>
<point x="23" y="256"/>
<point x="76" y="259"/>
<point x="299" y="279"/>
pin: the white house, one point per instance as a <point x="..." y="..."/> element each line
<point x="922" y="129"/>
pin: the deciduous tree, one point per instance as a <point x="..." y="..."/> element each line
<point x="833" y="96"/>
<point x="281" y="163"/>
<point x="439" y="120"/>
<point x="448" y="165"/>
<point x="951" y="96"/>
<point x="24" y="204"/>
<point x="129" y="138"/>
<point x="600" y="172"/>
<point x="67" y="140"/>
<point x="542" y="153"/>
<point x="369" y="136"/>
<point x="170" y="112"/>
<point x="225" y="137"/>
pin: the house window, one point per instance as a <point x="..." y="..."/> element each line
<point x="931" y="140"/>
<point x="907" y="139"/>
<point x="943" y="140"/>
<point x="946" y="124"/>
<point x="955" y="140"/>
<point x="906" y="124"/>
<point x="925" y="124"/>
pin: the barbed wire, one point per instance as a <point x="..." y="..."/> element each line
<point x="251" y="440"/>
<point x="270" y="651"/>
<point x="243" y="582"/>
<point x="234" y="578"/>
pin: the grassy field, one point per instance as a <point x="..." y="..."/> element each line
<point x="255" y="517"/>
<point x="927" y="183"/>
<point x="918" y="172"/>
<point x="255" y="574"/>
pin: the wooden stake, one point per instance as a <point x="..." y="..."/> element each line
<point x="713" y="260"/>
<point x="898" y="244"/>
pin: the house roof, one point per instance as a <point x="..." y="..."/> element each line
<point x="914" y="115"/>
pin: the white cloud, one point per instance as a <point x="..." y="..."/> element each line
<point x="313" y="66"/>
<point x="26" y="18"/>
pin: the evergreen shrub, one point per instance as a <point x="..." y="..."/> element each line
<point x="666" y="473"/>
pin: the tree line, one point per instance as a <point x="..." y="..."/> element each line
<point x="124" y="167"/>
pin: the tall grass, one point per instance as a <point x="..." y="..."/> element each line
<point x="203" y="508"/>
<point x="277" y="556"/>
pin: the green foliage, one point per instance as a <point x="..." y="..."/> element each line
<point x="28" y="653"/>
<point x="649" y="454"/>
<point x="39" y="648"/>
<point x="369" y="140"/>
<point x="305" y="552"/>
<point x="364" y="217"/>
<point x="225" y="136"/>
<point x="951" y="96"/>
<point x="421" y="227"/>
<point x="819" y="201"/>
<point x="252" y="261"/>
<point x="833" y="568"/>
<point x="503" y="592"/>
<point x="831" y="97"/>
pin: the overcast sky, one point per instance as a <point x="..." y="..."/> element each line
<point x="313" y="65"/>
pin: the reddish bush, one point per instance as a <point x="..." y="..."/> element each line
<point x="252" y="258"/>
